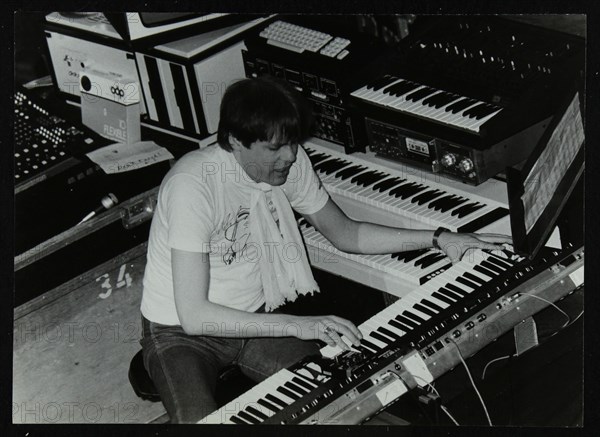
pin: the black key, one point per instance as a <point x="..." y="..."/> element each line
<point x="412" y="190"/>
<point x="323" y="162"/>
<point x="303" y="383"/>
<point x="413" y="316"/>
<point x="426" y="196"/>
<point x="257" y="413"/>
<point x="376" y="335"/>
<point x="415" y="96"/>
<point x="441" y="297"/>
<point x="409" y="255"/>
<point x="493" y="267"/>
<point x="248" y="417"/>
<point x="424" y="309"/>
<point x="485" y="271"/>
<point x="364" y="177"/>
<point x="276" y="400"/>
<point x="439" y="99"/>
<point x="389" y="333"/>
<point x="402" y="88"/>
<point x="387" y="184"/>
<point x="499" y="262"/>
<point x="466" y="208"/>
<point x="381" y="82"/>
<point x="474" y="278"/>
<point x="387" y="89"/>
<point x="296" y="388"/>
<point x="332" y="168"/>
<point x="310" y="381"/>
<point x="237" y="420"/>
<point x="400" y="189"/>
<point x="288" y="393"/>
<point x="469" y="103"/>
<point x="268" y="405"/>
<point x="407" y="321"/>
<point x="459" y="105"/>
<point x="426" y="258"/>
<point x="435" y="204"/>
<point x="450" y="294"/>
<point x="456" y="289"/>
<point x="468" y="283"/>
<point x="350" y="171"/>
<point x="377" y="176"/>
<point x="370" y="345"/>
<point x="487" y="111"/>
<point x="316" y="158"/>
<point x="452" y="204"/>
<point x="444" y="202"/>
<point x="327" y="164"/>
<point x="384" y="83"/>
<point x="470" y="210"/>
<point x="401" y="326"/>
<point x="484" y="220"/>
<point x="449" y="98"/>
<point x="429" y="101"/>
<point x="365" y="350"/>
<point x="472" y="110"/>
<point x="432" y="305"/>
<point x="433" y="260"/>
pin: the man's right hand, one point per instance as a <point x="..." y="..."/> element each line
<point x="329" y="329"/>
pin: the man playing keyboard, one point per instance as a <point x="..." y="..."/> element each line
<point x="225" y="251"/>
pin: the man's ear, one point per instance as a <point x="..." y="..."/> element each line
<point x="234" y="142"/>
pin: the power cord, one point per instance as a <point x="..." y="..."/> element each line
<point x="493" y="361"/>
<point x="487" y="415"/>
<point x="431" y="388"/>
<point x="566" y="325"/>
<point x="554" y="305"/>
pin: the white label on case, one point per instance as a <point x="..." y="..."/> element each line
<point x="391" y="392"/>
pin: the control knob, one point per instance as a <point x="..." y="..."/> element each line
<point x="448" y="160"/>
<point x="465" y="165"/>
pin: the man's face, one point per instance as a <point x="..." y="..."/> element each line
<point x="265" y="161"/>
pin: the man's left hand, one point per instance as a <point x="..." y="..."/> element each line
<point x="455" y="244"/>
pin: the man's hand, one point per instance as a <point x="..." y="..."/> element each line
<point x="455" y="245"/>
<point x="329" y="329"/>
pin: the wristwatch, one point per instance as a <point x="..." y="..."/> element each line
<point x="436" y="235"/>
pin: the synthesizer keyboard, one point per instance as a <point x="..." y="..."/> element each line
<point x="411" y="342"/>
<point x="468" y="96"/>
<point x="369" y="191"/>
<point x="427" y="102"/>
<point x="397" y="273"/>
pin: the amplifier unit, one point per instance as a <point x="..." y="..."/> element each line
<point x="458" y="161"/>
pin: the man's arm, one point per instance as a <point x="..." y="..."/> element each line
<point x="353" y="236"/>
<point x="199" y="316"/>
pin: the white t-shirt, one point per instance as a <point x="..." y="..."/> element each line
<point x="204" y="206"/>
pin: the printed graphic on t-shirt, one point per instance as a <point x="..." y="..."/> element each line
<point x="237" y="232"/>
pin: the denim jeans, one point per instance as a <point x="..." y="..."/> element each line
<point x="185" y="368"/>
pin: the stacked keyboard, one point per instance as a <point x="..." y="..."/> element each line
<point x="401" y="196"/>
<point x="397" y="273"/>
<point x="427" y="102"/>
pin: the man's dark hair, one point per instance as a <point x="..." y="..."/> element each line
<point x="263" y="109"/>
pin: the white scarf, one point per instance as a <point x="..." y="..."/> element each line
<point x="284" y="267"/>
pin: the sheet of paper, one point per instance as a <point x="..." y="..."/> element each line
<point x="122" y="157"/>
<point x="552" y="164"/>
